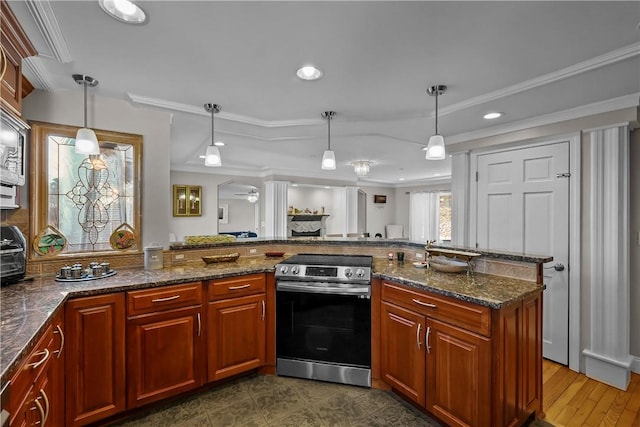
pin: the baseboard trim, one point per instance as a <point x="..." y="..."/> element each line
<point x="635" y="365"/>
<point x="616" y="373"/>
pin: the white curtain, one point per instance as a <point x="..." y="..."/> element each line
<point x="424" y="216"/>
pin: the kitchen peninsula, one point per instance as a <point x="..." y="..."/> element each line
<point x="500" y="313"/>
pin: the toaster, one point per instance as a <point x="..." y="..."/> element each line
<point x="13" y="254"/>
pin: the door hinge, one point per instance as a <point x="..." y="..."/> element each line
<point x="476" y="176"/>
<point x="563" y="175"/>
<point x="476" y="244"/>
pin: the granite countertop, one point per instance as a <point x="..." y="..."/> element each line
<point x="27" y="307"/>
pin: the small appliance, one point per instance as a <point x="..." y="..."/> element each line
<point x="13" y="254"/>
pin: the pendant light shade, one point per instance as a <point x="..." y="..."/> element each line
<point x="435" y="147"/>
<point x="212" y="156"/>
<point x="86" y="139"/>
<point x="329" y="157"/>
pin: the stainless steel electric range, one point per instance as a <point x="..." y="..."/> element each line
<point x="323" y="318"/>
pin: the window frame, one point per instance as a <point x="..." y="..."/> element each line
<point x="39" y="187"/>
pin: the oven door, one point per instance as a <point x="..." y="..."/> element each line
<point x="324" y="322"/>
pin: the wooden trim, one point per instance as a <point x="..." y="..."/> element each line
<point x="376" y="290"/>
<point x="13" y="29"/>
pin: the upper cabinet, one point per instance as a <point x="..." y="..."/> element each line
<point x="15" y="47"/>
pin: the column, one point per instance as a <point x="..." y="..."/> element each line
<point x="608" y="359"/>
<point x="460" y="185"/>
<point x="275" y="208"/>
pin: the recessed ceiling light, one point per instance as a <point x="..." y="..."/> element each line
<point x="124" y="10"/>
<point x="491" y="116"/>
<point x="436" y="174"/>
<point x="309" y="72"/>
<point x="400" y="179"/>
<point x="294" y="185"/>
<point x="219" y="144"/>
<point x="202" y="156"/>
<point x="327" y="187"/>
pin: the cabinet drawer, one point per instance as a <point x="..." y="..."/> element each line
<point x="469" y="316"/>
<point x="34" y="364"/>
<point x="165" y="298"/>
<point x="237" y="286"/>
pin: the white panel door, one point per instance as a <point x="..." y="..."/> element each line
<point x="523" y="207"/>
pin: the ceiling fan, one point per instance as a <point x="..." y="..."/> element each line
<point x="252" y="196"/>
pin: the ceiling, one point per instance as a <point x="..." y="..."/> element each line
<point x="530" y="60"/>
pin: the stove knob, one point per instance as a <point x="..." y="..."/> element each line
<point x="360" y="272"/>
<point x="295" y="269"/>
<point x="284" y="269"/>
<point x="348" y="272"/>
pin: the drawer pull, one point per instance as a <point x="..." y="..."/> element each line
<point x="58" y="330"/>
<point x="426" y="339"/>
<point x="426" y="304"/>
<point x="40" y="409"/>
<point x="165" y="299"/>
<point x="263" y="310"/>
<point x="45" y="355"/>
<point x="418" y="335"/>
<point x="46" y="405"/>
<point x="235" y="288"/>
<point x="199" y="325"/>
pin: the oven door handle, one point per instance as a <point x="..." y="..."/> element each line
<point x="304" y="287"/>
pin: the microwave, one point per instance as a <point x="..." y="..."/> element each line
<point x="12" y="149"/>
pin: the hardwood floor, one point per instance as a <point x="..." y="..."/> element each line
<point x="572" y="399"/>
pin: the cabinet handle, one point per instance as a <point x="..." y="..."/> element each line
<point x="165" y="299"/>
<point x="41" y="410"/>
<point x="46" y="405"/>
<point x="58" y="330"/>
<point x="426" y="339"/>
<point x="41" y="361"/>
<point x="263" y="309"/>
<point x="418" y="335"/>
<point x="426" y="304"/>
<point x="235" y="288"/>
<point x="199" y="325"/>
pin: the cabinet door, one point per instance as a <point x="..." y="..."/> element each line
<point x="458" y="375"/>
<point x="402" y="347"/>
<point x="236" y="335"/>
<point x="95" y="375"/>
<point x="164" y="355"/>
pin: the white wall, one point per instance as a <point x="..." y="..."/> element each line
<point x="379" y="214"/>
<point x="241" y="215"/>
<point x="65" y="107"/>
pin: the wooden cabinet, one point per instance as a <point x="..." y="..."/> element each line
<point x="403" y="363"/>
<point x="165" y="350"/>
<point x="95" y="358"/>
<point x="458" y="374"/>
<point x="237" y="325"/>
<point x="37" y="386"/>
<point x="14" y="47"/>
<point x="466" y="364"/>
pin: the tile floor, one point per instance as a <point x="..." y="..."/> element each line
<point x="267" y="400"/>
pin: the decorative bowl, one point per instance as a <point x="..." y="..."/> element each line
<point x="211" y="259"/>
<point x="274" y="254"/>
<point x="447" y="265"/>
<point x="420" y="264"/>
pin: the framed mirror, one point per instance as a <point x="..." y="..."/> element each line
<point x="86" y="197"/>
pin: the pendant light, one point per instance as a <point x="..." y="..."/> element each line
<point x="252" y="196"/>
<point x="329" y="157"/>
<point x="361" y="167"/>
<point x="86" y="139"/>
<point x="212" y="156"/>
<point x="435" y="147"/>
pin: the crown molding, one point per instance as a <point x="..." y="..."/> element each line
<point x="621" y="102"/>
<point x="190" y="109"/>
<point x="573" y="70"/>
<point x="47" y="23"/>
<point x="37" y="73"/>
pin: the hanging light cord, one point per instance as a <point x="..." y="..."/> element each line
<point x="84" y="83"/>
<point x="437" y="110"/>
<point x="212" y="134"/>
<point x="329" y="131"/>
